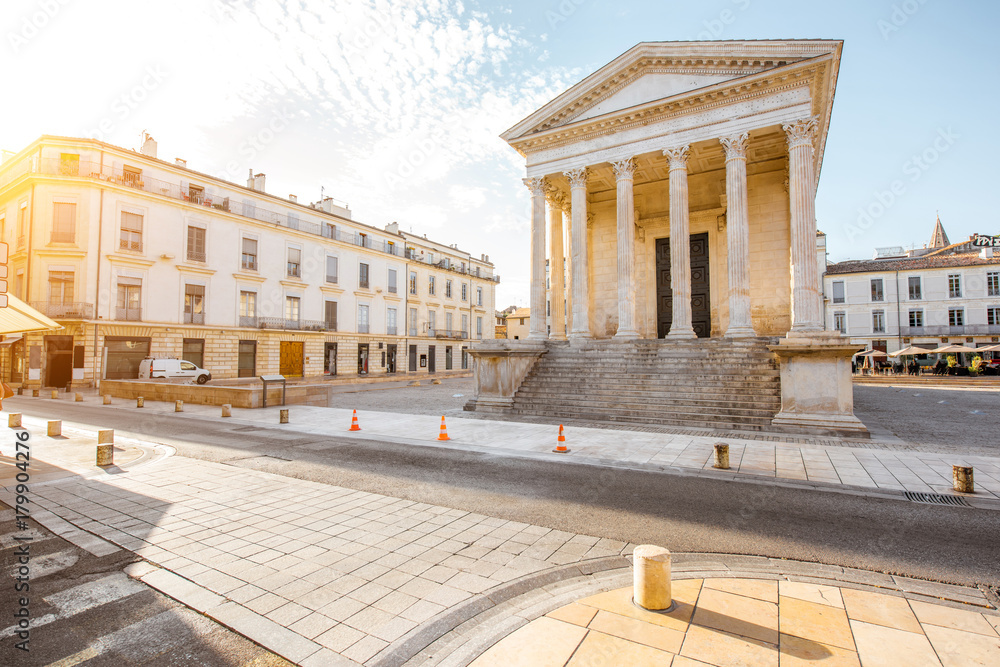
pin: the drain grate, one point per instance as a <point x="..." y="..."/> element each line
<point x="936" y="499"/>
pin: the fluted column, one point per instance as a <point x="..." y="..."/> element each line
<point x="806" y="304"/>
<point x="624" y="169"/>
<point x="680" y="244"/>
<point x="568" y="231"/>
<point x="580" y="273"/>
<point x="537" y="327"/>
<point x="557" y="268"/>
<point x="738" y="236"/>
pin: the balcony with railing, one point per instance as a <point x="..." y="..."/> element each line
<point x="255" y="322"/>
<point x="448" y="333"/>
<point x="128" y="314"/>
<point x="390" y="330"/>
<point x="363" y="328"/>
<point x="65" y="311"/>
<point x="194" y="318"/>
<point x="209" y="198"/>
<point x="196" y="256"/>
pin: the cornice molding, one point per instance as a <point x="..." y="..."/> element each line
<point x="200" y="270"/>
<point x="249" y="277"/>
<point x="124" y="260"/>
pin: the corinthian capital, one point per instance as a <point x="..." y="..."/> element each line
<point x="623" y="168"/>
<point x="536" y="185"/>
<point x="554" y="197"/>
<point x="577" y="177"/>
<point x="801" y="132"/>
<point x="678" y="157"/>
<point x="735" y="146"/>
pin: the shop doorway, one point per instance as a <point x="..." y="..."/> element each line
<point x="58" y="361"/>
<point x="291" y="358"/>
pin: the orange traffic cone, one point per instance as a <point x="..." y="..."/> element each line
<point x="444" y="431"/>
<point x="561" y="447"/>
<point x="354" y="422"/>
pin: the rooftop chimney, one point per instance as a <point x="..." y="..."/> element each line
<point x="180" y="162"/>
<point x="149" y="147"/>
<point x="986" y="253"/>
<point x="293" y="198"/>
<point x="255" y="182"/>
<point x="392" y="228"/>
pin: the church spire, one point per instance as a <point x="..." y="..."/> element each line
<point x="939" y="239"/>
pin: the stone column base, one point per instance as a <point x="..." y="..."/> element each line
<point x="817" y="395"/>
<point x="501" y="367"/>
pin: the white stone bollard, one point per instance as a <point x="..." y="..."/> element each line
<point x="55" y="393"/>
<point x="55" y="428"/>
<point x="962" y="479"/>
<point x="34" y="393"/>
<point x="140" y="401"/>
<point x="79" y="397"/>
<point x="227" y="410"/>
<point x="107" y="399"/>
<point x="178" y="406"/>
<point x="721" y="456"/>
<point x="14" y="420"/>
<point x="283" y="417"/>
<point x="651" y="577"/>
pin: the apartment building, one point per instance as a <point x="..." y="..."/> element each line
<point x="138" y="256"/>
<point x="942" y="293"/>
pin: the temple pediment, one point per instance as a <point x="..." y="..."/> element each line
<point x="652" y="72"/>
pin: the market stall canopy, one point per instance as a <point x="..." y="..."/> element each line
<point x="953" y="349"/>
<point x="19" y="317"/>
<point x="910" y="351"/>
<point x="871" y="353"/>
<point x="989" y="348"/>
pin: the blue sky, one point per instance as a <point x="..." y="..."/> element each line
<point x="396" y="107"/>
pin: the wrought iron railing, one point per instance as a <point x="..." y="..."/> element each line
<point x="65" y="311"/>
<point x="945" y="330"/>
<point x="210" y="198"/>
<point x="129" y="314"/>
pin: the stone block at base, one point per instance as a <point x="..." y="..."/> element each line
<point x="501" y="367"/>
<point x="817" y="394"/>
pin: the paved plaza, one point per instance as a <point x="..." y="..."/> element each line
<point x="327" y="575"/>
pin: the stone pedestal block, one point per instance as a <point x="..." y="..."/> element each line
<point x="817" y="395"/>
<point x="651" y="577"/>
<point x="501" y="367"/>
<point x="55" y="428"/>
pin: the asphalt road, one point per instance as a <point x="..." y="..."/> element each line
<point x="956" y="545"/>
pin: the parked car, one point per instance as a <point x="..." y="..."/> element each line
<point x="152" y="368"/>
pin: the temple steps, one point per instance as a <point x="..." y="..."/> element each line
<point x="711" y="383"/>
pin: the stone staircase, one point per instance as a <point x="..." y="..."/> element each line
<point x="704" y="383"/>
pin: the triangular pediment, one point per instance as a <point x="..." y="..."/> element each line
<point x="654" y="71"/>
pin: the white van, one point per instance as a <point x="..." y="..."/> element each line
<point x="152" y="368"/>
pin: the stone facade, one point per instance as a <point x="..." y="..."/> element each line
<point x="688" y="174"/>
<point x="135" y="255"/>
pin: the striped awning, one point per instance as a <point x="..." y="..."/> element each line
<point x="19" y="317"/>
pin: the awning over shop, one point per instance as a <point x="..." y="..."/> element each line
<point x="19" y="317"/>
